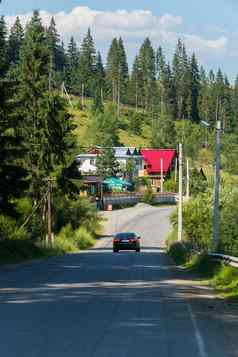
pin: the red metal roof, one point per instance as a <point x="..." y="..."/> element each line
<point x="152" y="158"/>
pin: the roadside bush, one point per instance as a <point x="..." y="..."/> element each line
<point x="180" y="252"/>
<point x="170" y="185"/>
<point x="148" y="196"/>
<point x="65" y="240"/>
<point x="9" y="230"/>
<point x="80" y="212"/>
<point x="13" y="251"/>
<point x="83" y="238"/>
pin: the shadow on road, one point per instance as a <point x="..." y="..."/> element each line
<point x="136" y="292"/>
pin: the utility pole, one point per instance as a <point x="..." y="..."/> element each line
<point x="82" y="95"/>
<point x="188" y="181"/>
<point x="176" y="172"/>
<point x="119" y="92"/>
<point x="162" y="175"/>
<point x="180" y="207"/>
<point x="216" y="209"/>
<point x="49" y="210"/>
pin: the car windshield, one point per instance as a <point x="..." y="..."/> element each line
<point x="125" y="235"/>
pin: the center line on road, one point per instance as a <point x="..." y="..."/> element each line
<point x="198" y="335"/>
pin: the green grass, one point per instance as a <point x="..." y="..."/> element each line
<point x="82" y="122"/>
<point x="15" y="251"/>
<point x="223" y="278"/>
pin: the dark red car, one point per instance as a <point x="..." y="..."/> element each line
<point x="126" y="241"/>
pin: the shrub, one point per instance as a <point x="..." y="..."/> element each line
<point x="83" y="238"/>
<point x="148" y="196"/>
<point x="170" y="185"/>
<point x="9" y="229"/>
<point x="13" y="251"/>
<point x="65" y="240"/>
<point x="80" y="212"/>
<point x="181" y="252"/>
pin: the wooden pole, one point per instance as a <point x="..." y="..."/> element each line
<point x="49" y="214"/>
<point x="188" y="181"/>
<point x="162" y="176"/>
<point x="180" y="208"/>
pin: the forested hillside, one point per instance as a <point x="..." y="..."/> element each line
<point x="155" y="104"/>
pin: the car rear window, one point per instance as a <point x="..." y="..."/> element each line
<point x="125" y="235"/>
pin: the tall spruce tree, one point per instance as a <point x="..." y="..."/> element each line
<point x="3" y="47"/>
<point x="112" y="70"/>
<point x="46" y="124"/>
<point x="12" y="175"/>
<point x="123" y="75"/>
<point x="181" y="78"/>
<point x="135" y="97"/>
<point x="194" y="90"/>
<point x="72" y="67"/>
<point x="57" y="55"/>
<point x="99" y="84"/>
<point x="147" y="65"/>
<point x="15" y="41"/>
<point x="87" y="64"/>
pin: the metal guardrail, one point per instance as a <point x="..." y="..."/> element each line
<point x="232" y="261"/>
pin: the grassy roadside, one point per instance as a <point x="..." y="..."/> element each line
<point x="17" y="251"/>
<point x="223" y="278"/>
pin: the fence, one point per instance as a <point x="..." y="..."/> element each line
<point x="134" y="198"/>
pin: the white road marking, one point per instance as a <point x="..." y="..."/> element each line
<point x="198" y="335"/>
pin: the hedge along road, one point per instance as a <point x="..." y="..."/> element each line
<point x="100" y="304"/>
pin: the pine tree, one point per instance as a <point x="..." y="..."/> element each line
<point x="15" y="41"/>
<point x="12" y="175"/>
<point x="123" y="75"/>
<point x="112" y="70"/>
<point x="72" y="68"/>
<point x="99" y="83"/>
<point x="57" y="55"/>
<point x="3" y="47"/>
<point x="87" y="64"/>
<point x="194" y="90"/>
<point x="181" y="78"/>
<point x="135" y="84"/>
<point x="147" y="65"/>
<point x="107" y="164"/>
<point x="235" y="102"/>
<point x="46" y="124"/>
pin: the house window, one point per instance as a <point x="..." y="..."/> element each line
<point x="92" y="162"/>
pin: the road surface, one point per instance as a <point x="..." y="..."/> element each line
<point x="100" y="304"/>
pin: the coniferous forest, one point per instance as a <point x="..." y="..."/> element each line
<point x="37" y="140"/>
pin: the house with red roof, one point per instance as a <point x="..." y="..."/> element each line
<point x="154" y="159"/>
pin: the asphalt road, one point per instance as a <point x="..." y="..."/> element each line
<point x="100" y="304"/>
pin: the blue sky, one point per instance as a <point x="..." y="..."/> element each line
<point x="208" y="27"/>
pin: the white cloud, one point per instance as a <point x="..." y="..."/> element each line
<point x="133" y="26"/>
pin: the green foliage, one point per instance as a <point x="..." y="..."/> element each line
<point x="87" y="64"/>
<point x="83" y="238"/>
<point x="148" y="195"/>
<point x="10" y="231"/>
<point x="71" y="240"/>
<point x="180" y="252"/>
<point x="65" y="239"/>
<point x="14" y="251"/>
<point x="142" y="181"/>
<point x="198" y="183"/>
<point x="103" y="129"/>
<point x="107" y="164"/>
<point x="192" y="137"/>
<point x="80" y="212"/>
<point x="170" y="185"/>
